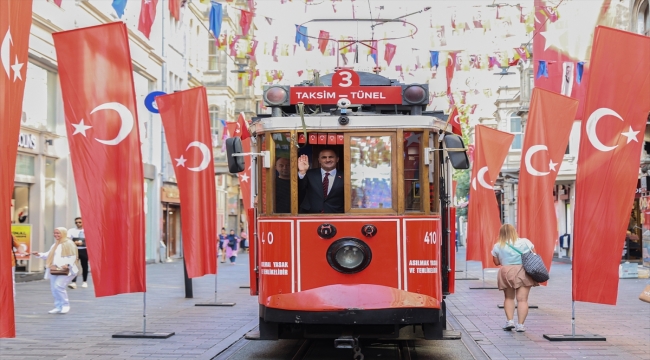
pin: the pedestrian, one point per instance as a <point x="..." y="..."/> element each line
<point x="243" y="240"/>
<point x="77" y="235"/>
<point x="63" y="255"/>
<point x="14" y="245"/>
<point x="232" y="246"/>
<point x="223" y="237"/>
<point x="512" y="279"/>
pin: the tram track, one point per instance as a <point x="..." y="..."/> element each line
<point x="391" y="350"/>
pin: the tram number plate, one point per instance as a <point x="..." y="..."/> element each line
<point x="430" y="237"/>
<point x="267" y="238"/>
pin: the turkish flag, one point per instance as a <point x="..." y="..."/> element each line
<point x="449" y="70"/>
<point x="548" y="128"/>
<point x="101" y="121"/>
<point x="245" y="21"/>
<point x="454" y="120"/>
<point x="15" y="23"/>
<point x="245" y="176"/>
<point x="147" y="16"/>
<point x="190" y="145"/>
<point x="483" y="220"/>
<point x="175" y="9"/>
<point x="611" y="139"/>
<point x="323" y="39"/>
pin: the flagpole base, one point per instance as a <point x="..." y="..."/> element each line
<point x="459" y="270"/>
<point x="245" y="287"/>
<point x="587" y="337"/>
<point x="467" y="279"/>
<point x="142" y="335"/>
<point x="216" y="304"/>
<point x="529" y="306"/>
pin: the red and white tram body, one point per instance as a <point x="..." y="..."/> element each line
<point x="383" y="266"/>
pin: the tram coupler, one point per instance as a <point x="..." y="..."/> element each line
<point x="346" y="342"/>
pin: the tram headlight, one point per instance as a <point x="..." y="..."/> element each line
<point x="349" y="255"/>
<point x="415" y="94"/>
<point x="276" y="95"/>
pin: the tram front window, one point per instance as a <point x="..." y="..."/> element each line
<point x="370" y="172"/>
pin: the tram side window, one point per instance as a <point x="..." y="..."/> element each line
<point x="318" y="161"/>
<point x="370" y="172"/>
<point x="282" y="173"/>
<point x="412" y="188"/>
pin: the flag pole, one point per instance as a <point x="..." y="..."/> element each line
<point x="573" y="336"/>
<point x="483" y="287"/>
<point x="216" y="303"/>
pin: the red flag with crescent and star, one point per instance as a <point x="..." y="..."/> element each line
<point x="549" y="124"/>
<point x="454" y="120"/>
<point x="102" y="127"/>
<point x="15" y="24"/>
<point x="611" y="140"/>
<point x="190" y="145"/>
<point x="245" y="176"/>
<point x="483" y="220"/>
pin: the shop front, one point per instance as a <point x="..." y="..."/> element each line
<point x="171" y="221"/>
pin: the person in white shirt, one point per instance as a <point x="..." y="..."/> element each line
<point x="512" y="278"/>
<point x="77" y="235"/>
<point x="62" y="254"/>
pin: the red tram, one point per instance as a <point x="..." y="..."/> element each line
<point x="381" y="266"/>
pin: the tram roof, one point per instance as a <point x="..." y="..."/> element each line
<point x="357" y="122"/>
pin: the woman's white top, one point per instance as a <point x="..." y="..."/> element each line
<point x="59" y="260"/>
<point x="508" y="256"/>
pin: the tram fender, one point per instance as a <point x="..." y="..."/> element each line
<point x="351" y="297"/>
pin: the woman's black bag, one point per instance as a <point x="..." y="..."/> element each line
<point x="533" y="265"/>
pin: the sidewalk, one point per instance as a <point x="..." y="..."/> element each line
<point x="85" y="333"/>
<point x="625" y="325"/>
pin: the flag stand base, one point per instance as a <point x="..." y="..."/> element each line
<point x="245" y="287"/>
<point x="588" y="337"/>
<point x="529" y="306"/>
<point x="215" y="303"/>
<point x="142" y="335"/>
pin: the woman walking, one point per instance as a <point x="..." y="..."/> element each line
<point x="232" y="244"/>
<point x="62" y="255"/>
<point x="512" y="278"/>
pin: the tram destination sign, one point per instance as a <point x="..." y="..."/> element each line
<point x="345" y="84"/>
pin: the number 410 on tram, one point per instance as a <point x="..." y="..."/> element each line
<point x="374" y="257"/>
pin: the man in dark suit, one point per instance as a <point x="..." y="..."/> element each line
<point x="323" y="187"/>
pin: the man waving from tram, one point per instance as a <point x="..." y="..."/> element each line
<point x="323" y="187"/>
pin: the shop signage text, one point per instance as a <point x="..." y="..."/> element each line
<point x="27" y="141"/>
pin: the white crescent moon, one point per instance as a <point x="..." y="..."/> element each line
<point x="529" y="154"/>
<point x="474" y="183"/>
<point x="125" y="116"/>
<point x="481" y="178"/>
<point x="591" y="128"/>
<point x="206" y="155"/>
<point x="4" y="51"/>
<point x="456" y="119"/>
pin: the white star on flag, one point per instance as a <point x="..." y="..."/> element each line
<point x="551" y="165"/>
<point x="243" y="177"/>
<point x="552" y="38"/>
<point x="16" y="67"/>
<point x="80" y="128"/>
<point x="181" y="161"/>
<point x="631" y="135"/>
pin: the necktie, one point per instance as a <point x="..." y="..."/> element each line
<point x="326" y="184"/>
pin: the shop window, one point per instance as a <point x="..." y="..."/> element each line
<point x="25" y="164"/>
<point x="216" y="127"/>
<point x="20" y="204"/>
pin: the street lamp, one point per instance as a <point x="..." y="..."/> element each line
<point x="242" y="64"/>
